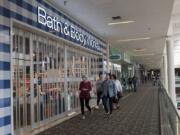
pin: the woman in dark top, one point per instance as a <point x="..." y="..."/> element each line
<point x="134" y="81"/>
<point x="85" y="88"/>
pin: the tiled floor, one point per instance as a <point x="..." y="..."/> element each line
<point x="138" y="115"/>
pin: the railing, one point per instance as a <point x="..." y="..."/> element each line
<point x="169" y="118"/>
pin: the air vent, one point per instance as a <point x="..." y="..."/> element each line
<point x="116" y="17"/>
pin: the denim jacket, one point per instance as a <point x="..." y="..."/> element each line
<point x="108" y="87"/>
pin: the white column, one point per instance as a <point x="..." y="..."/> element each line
<point x="163" y="71"/>
<point x="171" y="69"/>
<point x="165" y="68"/>
<point x="108" y="46"/>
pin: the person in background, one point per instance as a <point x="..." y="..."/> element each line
<point x="134" y="81"/>
<point x="85" y="88"/>
<point x="158" y="80"/>
<point x="109" y="91"/>
<point x="99" y="89"/>
<point x="153" y="80"/>
<point x="130" y="83"/>
<point x="119" y="90"/>
<point x="123" y="82"/>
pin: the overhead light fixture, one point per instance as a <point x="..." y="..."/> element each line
<point x="148" y="58"/>
<point x="148" y="54"/>
<point x="134" y="39"/>
<point x="121" y="22"/>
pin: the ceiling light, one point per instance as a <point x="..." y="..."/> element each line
<point x="148" y="54"/>
<point x="121" y="22"/>
<point x="148" y="58"/>
<point x="134" y="39"/>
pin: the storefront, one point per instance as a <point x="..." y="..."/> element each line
<point x="43" y="53"/>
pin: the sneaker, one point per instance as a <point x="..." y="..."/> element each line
<point x="83" y="117"/>
<point x="97" y="107"/>
<point x="114" y="107"/>
<point x="107" y="115"/>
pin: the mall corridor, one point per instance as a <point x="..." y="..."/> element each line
<point x="138" y="115"/>
<point x="56" y="53"/>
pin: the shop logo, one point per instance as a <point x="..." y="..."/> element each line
<point x="115" y="57"/>
<point x="68" y="29"/>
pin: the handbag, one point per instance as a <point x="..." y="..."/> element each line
<point x="119" y="94"/>
<point x="115" y="100"/>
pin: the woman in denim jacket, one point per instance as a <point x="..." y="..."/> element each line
<point x="109" y="91"/>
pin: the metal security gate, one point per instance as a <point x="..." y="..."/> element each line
<point x="45" y="78"/>
<point x="38" y="80"/>
<point x="21" y="80"/>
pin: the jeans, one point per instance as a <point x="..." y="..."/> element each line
<point x="110" y="102"/>
<point x="98" y="97"/>
<point x="86" y="100"/>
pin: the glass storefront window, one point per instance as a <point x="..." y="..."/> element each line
<point x="39" y="78"/>
<point x="21" y="82"/>
<point x="27" y="46"/>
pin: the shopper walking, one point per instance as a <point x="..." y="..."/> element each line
<point x="154" y="80"/>
<point x="108" y="93"/>
<point x="99" y="89"/>
<point x="130" y="83"/>
<point x="85" y="88"/>
<point x="119" y="90"/>
<point x="134" y="80"/>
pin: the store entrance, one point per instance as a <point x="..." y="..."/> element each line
<point x="38" y="80"/>
<point x="45" y="78"/>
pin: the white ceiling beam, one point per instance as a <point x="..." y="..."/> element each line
<point x="176" y="2"/>
<point x="175" y="18"/>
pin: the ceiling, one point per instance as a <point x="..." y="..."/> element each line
<point x="175" y="23"/>
<point x="151" y="18"/>
<point x="175" y="18"/>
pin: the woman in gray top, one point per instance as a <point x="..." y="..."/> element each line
<point x="99" y="89"/>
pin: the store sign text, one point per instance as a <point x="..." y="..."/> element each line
<point x="67" y="29"/>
